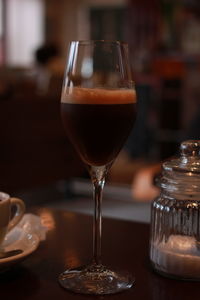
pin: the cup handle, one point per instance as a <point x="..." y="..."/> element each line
<point x="20" y="210"/>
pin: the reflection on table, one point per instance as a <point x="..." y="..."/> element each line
<point x="69" y="243"/>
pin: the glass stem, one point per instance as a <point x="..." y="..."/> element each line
<point x="97" y="223"/>
<point x="98" y="175"/>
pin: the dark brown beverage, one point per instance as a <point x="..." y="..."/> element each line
<point x="98" y="131"/>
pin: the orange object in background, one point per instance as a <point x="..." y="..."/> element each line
<point x="169" y="67"/>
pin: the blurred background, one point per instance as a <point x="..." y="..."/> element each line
<point x="164" y="41"/>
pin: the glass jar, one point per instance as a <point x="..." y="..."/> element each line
<point x="175" y="216"/>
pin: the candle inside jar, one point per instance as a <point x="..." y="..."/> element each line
<point x="179" y="256"/>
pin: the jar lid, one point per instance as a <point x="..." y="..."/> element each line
<point x="189" y="160"/>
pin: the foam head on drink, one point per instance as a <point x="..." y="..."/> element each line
<point x="98" y="96"/>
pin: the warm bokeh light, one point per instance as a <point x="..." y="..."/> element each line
<point x="71" y="257"/>
<point x="47" y="219"/>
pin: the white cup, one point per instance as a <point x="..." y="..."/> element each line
<point x="6" y="221"/>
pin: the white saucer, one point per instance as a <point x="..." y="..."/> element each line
<point x="18" y="239"/>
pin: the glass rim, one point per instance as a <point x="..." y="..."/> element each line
<point x="92" y="42"/>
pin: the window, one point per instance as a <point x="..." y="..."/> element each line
<point x="24" y="22"/>
<point x="1" y="31"/>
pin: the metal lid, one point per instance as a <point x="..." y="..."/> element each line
<point x="189" y="160"/>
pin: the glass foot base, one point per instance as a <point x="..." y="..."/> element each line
<point x="95" y="280"/>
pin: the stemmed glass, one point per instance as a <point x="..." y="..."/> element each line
<point x="98" y="110"/>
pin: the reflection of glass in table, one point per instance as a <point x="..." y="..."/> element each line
<point x="68" y="242"/>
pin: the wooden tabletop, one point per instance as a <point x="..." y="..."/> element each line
<point x="69" y="243"/>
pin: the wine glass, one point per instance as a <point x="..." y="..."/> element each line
<point x="98" y="110"/>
